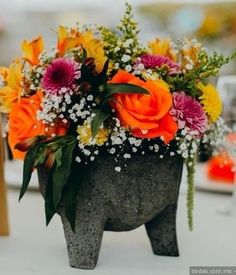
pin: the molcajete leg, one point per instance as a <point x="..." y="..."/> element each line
<point x="161" y="231"/>
<point x="84" y="245"/>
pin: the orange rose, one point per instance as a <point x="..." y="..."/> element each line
<point x="23" y="123"/>
<point x="146" y="115"/>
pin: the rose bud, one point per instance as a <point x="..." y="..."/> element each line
<point x="50" y="160"/>
<point x="25" y="145"/>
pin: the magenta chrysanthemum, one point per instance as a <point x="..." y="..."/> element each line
<point x="59" y="77"/>
<point x="151" y="61"/>
<point x="189" y="113"/>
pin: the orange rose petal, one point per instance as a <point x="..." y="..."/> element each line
<point x="146" y="115"/>
<point x="163" y="98"/>
<point x="142" y="108"/>
<point x="166" y="129"/>
<point x="130" y="120"/>
<point x="122" y="77"/>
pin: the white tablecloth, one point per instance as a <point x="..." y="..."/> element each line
<point x="34" y="249"/>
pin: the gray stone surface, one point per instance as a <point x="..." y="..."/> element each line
<point x="144" y="192"/>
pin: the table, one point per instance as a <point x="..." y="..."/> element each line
<point x="34" y="249"/>
<point x="4" y="229"/>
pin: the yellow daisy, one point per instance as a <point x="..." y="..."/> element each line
<point x="211" y="101"/>
<point x="85" y="135"/>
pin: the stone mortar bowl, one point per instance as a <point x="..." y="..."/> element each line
<point x="144" y="192"/>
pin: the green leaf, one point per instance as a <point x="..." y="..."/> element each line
<point x="97" y="121"/>
<point x="122" y="88"/>
<point x="60" y="173"/>
<point x="41" y="156"/>
<point x="103" y="74"/>
<point x="28" y="168"/>
<point x="48" y="204"/>
<point x="58" y="157"/>
<point x="75" y="180"/>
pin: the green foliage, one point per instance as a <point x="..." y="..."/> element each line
<point x="29" y="161"/>
<point x="190" y="163"/>
<point x="122" y="88"/>
<point x="100" y="117"/>
<point x="56" y="155"/>
<point x="126" y="43"/>
<point x="61" y="171"/>
<point x="208" y="65"/>
<point x="75" y="180"/>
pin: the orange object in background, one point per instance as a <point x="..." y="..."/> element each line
<point x="220" y="168"/>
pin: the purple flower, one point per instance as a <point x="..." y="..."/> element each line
<point x="59" y="77"/>
<point x="151" y="61"/>
<point x="189" y="113"/>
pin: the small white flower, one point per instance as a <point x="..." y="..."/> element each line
<point x="112" y="151"/>
<point x="185" y="154"/>
<point x="188" y="66"/>
<point x="128" y="42"/>
<point x="117" y="168"/>
<point x="117" y="65"/>
<point x="127" y="156"/>
<point x="128" y="68"/>
<point x="156" y="148"/>
<point x="138" y="142"/>
<point x="89" y="97"/>
<point x="86" y="152"/>
<point x="183" y="146"/>
<point x="78" y="159"/>
<point x="125" y="58"/>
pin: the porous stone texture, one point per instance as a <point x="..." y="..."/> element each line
<point x="144" y="192"/>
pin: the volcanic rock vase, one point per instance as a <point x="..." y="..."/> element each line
<point x="144" y="192"/>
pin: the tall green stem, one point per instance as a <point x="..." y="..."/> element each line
<point x="190" y="192"/>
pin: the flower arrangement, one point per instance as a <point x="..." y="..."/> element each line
<point x="98" y="92"/>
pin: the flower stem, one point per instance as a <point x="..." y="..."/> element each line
<point x="190" y="192"/>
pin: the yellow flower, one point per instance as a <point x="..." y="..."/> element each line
<point x="32" y="50"/>
<point x="211" y="101"/>
<point x="10" y="93"/>
<point x="69" y="39"/>
<point x="94" y="48"/>
<point x="85" y="135"/>
<point x="162" y="47"/>
<point x="211" y="25"/>
<point x="190" y="51"/>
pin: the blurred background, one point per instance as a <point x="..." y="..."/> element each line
<point x="212" y="21"/>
